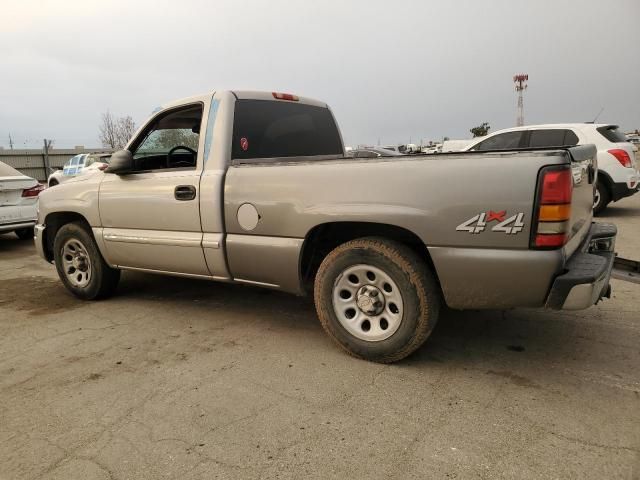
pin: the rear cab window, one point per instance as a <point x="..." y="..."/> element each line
<point x="281" y="129"/>
<point x="612" y="133"/>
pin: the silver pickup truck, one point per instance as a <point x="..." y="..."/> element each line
<point x="254" y="188"/>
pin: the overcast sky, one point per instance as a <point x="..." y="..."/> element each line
<point x="391" y="70"/>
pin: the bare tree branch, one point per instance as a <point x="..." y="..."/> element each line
<point x="125" y="129"/>
<point x="116" y="132"/>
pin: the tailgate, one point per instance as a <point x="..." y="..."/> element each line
<point x="584" y="169"/>
<point x="11" y="189"/>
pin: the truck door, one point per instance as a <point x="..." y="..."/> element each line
<point x="151" y="217"/>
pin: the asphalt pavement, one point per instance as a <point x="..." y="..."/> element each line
<point x="186" y="379"/>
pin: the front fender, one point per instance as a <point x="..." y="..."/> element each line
<point x="79" y="196"/>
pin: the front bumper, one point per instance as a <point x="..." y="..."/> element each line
<point x="586" y="279"/>
<point x="39" y="240"/>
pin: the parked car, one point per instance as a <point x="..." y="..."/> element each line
<point x="265" y="196"/>
<point x="396" y="148"/>
<point x="617" y="168"/>
<point x="431" y="149"/>
<point x="18" y="202"/>
<point x="372" y="152"/>
<point x="82" y="163"/>
<point x="457" y="145"/>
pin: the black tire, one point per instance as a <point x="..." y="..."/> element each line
<point x="416" y="283"/>
<point x="602" y="198"/>
<point x="25" y="233"/>
<point x="103" y="280"/>
<point x="53" y="183"/>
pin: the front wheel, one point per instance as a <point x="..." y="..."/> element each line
<point x="377" y="299"/>
<point x="80" y="265"/>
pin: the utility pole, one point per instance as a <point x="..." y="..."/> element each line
<point x="521" y="85"/>
<point x="10" y="142"/>
<point x="45" y="156"/>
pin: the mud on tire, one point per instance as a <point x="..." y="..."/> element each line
<point x="80" y="264"/>
<point x="398" y="281"/>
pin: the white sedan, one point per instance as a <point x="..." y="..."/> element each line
<point x="18" y="202"/>
<point x="82" y="163"/>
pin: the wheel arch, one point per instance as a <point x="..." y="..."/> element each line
<point x="54" y="221"/>
<point x="323" y="238"/>
<point x="606" y="179"/>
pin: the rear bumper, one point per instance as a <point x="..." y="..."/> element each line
<point x="12" y="227"/>
<point x="587" y="272"/>
<point x="622" y="189"/>
<point x="14" y="217"/>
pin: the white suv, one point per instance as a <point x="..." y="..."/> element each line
<point x="618" y="174"/>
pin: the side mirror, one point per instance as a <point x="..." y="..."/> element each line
<point x="121" y="162"/>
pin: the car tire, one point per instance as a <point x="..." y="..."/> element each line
<point x="25" y="233"/>
<point x="602" y="198"/>
<point x="377" y="299"/>
<point x="53" y="183"/>
<point x="80" y="264"/>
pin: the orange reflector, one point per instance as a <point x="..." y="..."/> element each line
<point x="555" y="213"/>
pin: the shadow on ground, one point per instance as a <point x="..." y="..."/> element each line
<point x="467" y="336"/>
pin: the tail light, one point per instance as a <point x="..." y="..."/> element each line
<point x="622" y="156"/>
<point x="33" y="191"/>
<point x="555" y="189"/>
<point x="285" y="96"/>
<point x="103" y="166"/>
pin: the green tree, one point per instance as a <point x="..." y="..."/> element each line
<point x="481" y="130"/>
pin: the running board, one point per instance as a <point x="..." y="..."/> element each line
<point x="627" y="270"/>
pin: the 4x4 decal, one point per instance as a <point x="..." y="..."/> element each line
<point x="478" y="223"/>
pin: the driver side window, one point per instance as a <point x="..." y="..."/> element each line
<point x="171" y="141"/>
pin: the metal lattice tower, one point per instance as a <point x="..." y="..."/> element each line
<point x="521" y="85"/>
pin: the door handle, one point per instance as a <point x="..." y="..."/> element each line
<point x="185" y="192"/>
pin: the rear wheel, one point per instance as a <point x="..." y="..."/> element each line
<point x="25" y="233"/>
<point x="377" y="299"/>
<point x="53" y="183"/>
<point x="80" y="265"/>
<point x="601" y="198"/>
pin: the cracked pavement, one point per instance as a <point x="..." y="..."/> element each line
<point x="186" y="379"/>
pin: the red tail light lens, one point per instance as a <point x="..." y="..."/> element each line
<point x="622" y="156"/>
<point x="33" y="191"/>
<point x="557" y="186"/>
<point x="551" y="241"/>
<point x="555" y="190"/>
<point x="103" y="166"/>
<point x="285" y="96"/>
